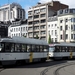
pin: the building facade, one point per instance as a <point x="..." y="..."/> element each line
<point x="52" y="28"/>
<point x="66" y="25"/>
<point x="18" y="28"/>
<point x="38" y="18"/>
<point x="3" y="30"/>
<point x="11" y="12"/>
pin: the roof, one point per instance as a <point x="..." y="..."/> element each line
<point x="63" y="44"/>
<point x="24" y="40"/>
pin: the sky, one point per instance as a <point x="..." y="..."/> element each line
<point x="29" y="3"/>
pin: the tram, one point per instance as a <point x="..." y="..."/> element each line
<point x="62" y="50"/>
<point x="21" y="49"/>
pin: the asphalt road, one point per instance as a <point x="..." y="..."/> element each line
<point x="65" y="67"/>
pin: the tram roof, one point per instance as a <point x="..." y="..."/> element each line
<point x="24" y="40"/>
<point x="63" y="44"/>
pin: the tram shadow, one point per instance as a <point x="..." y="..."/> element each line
<point x="38" y="64"/>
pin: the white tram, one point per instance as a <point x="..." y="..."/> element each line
<point x="62" y="50"/>
<point x="21" y="49"/>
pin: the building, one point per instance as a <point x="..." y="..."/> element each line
<point x="3" y="29"/>
<point x="66" y="25"/>
<point x="38" y="18"/>
<point x="52" y="28"/>
<point x="18" y="28"/>
<point x="10" y="12"/>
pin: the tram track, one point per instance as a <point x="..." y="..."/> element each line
<point x="58" y="69"/>
<point x="56" y="72"/>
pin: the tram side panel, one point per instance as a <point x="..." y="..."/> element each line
<point x="7" y="58"/>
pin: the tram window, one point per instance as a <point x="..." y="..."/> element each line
<point x="2" y="48"/>
<point x="51" y="48"/>
<point x="41" y="48"/>
<point x="57" y="49"/>
<point x="24" y="48"/>
<point x="12" y="47"/>
<point x="45" y="49"/>
<point x="33" y="48"/>
<point x="29" y="48"/>
<point x="8" y="47"/>
<point x="66" y="49"/>
<point x="74" y="49"/>
<point x="17" y="47"/>
<point x="63" y="49"/>
<point x="60" y="49"/>
<point x="37" y="48"/>
<point x="70" y="49"/>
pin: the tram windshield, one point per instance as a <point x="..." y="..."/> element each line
<point x="51" y="49"/>
<point x="0" y="47"/>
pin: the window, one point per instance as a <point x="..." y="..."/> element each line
<point x="45" y="49"/>
<point x="55" y="25"/>
<point x="55" y="32"/>
<point x="66" y="27"/>
<point x="48" y="25"/>
<point x="43" y="32"/>
<point x="11" y="15"/>
<point x="60" y="36"/>
<point x="41" y="48"/>
<point x="74" y="36"/>
<point x="24" y="48"/>
<point x="61" y="11"/>
<point x="43" y="10"/>
<point x="52" y="25"/>
<point x="30" y="17"/>
<point x="42" y="15"/>
<point x="18" y="47"/>
<point x="52" y="32"/>
<point x="43" y="21"/>
<point x="43" y="27"/>
<point x="48" y="32"/>
<point x="52" y="39"/>
<point x="71" y="27"/>
<point x="66" y="36"/>
<point x="61" y="21"/>
<point x="66" y="20"/>
<point x="14" y="29"/>
<point x="30" y="12"/>
<point x="55" y="39"/>
<point x="61" y="28"/>
<point x="74" y="27"/>
<point x="72" y="19"/>
<point x="36" y="11"/>
<point x="36" y="16"/>
<point x="71" y="36"/>
<point x="66" y="10"/>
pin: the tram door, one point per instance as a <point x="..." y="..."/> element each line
<point x="31" y="57"/>
<point x="29" y="48"/>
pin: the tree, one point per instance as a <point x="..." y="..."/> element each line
<point x="37" y="36"/>
<point x="24" y="36"/>
<point x="49" y="39"/>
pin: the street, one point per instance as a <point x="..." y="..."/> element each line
<point x="48" y="68"/>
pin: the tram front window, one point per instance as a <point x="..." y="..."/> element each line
<point x="0" y="47"/>
<point x="51" y="49"/>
